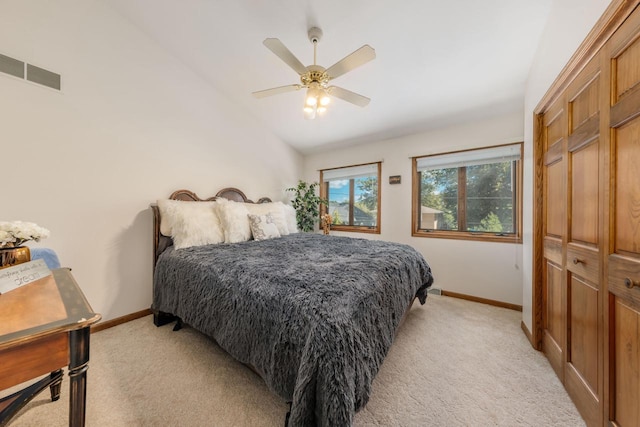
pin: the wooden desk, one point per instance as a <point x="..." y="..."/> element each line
<point x="45" y="326"/>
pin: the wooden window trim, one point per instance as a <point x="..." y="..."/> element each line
<point x="466" y="235"/>
<point x="324" y="192"/>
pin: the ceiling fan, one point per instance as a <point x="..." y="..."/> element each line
<point x="316" y="79"/>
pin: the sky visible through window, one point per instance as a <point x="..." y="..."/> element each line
<point x="339" y="190"/>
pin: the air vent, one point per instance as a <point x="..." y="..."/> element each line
<point x="11" y="66"/>
<point x="43" y="77"/>
<point x="34" y="74"/>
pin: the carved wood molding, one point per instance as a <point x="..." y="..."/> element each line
<point x="188" y="195"/>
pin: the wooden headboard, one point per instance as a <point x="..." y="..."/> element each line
<point x="162" y="242"/>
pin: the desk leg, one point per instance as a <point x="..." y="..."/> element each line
<point x="78" y="365"/>
<point x="12" y="404"/>
<point x="56" y="385"/>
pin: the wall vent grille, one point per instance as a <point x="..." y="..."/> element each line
<point x="11" y="66"/>
<point x="22" y="70"/>
<point x="43" y="77"/>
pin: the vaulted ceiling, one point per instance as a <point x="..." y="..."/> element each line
<point x="437" y="62"/>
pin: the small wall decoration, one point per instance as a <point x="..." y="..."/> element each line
<point x="395" y="179"/>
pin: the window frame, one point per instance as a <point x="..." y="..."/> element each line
<point x="324" y="193"/>
<point x="416" y="231"/>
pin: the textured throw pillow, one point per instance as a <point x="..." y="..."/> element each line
<point x="276" y="210"/>
<point x="234" y="220"/>
<point x="169" y="209"/>
<point x="263" y="227"/>
<point x="290" y="218"/>
<point x="192" y="223"/>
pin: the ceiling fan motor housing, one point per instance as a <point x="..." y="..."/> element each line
<point x="315" y="73"/>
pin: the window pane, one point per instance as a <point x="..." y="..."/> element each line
<point x="352" y="196"/>
<point x="363" y="213"/>
<point x="365" y="201"/>
<point x="490" y="198"/>
<point x="439" y="199"/>
<point x="339" y="201"/>
<point x="469" y="194"/>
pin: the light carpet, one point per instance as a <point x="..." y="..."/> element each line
<point x="453" y="363"/>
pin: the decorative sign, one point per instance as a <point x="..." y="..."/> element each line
<point x="395" y="179"/>
<point x="22" y="274"/>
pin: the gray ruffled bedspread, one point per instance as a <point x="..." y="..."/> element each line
<point x="315" y="315"/>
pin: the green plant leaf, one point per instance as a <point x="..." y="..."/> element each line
<point x="307" y="205"/>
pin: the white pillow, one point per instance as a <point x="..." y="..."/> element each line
<point x="290" y="218"/>
<point x="277" y="214"/>
<point x="193" y="224"/>
<point x="263" y="227"/>
<point x="234" y="220"/>
<point x="168" y="211"/>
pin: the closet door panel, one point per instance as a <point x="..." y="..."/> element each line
<point x="584" y="359"/>
<point x="627" y="73"/>
<point x="555" y="198"/>
<point x="627" y="189"/>
<point x="585" y="104"/>
<point x="624" y="275"/>
<point x="555" y="182"/>
<point x="584" y="330"/>
<point x="627" y="356"/>
<point x="553" y="340"/>
<point x="585" y="194"/>
<point x="582" y="376"/>
<point x="623" y="261"/>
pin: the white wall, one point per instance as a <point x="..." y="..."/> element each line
<point x="130" y="125"/>
<point x="482" y="269"/>
<point x="569" y="23"/>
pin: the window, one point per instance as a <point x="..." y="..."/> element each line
<point x="353" y="196"/>
<point x="473" y="194"/>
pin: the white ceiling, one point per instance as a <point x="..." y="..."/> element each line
<point x="438" y="62"/>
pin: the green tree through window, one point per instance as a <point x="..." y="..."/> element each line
<point x="353" y="195"/>
<point x="473" y="191"/>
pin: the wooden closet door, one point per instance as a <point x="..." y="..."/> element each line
<point x="554" y="128"/>
<point x="584" y="355"/>
<point x="623" y="261"/>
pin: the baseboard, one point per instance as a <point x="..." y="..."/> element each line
<point x="142" y="313"/>
<point x="483" y="300"/>
<point x="120" y="320"/>
<point x="527" y="333"/>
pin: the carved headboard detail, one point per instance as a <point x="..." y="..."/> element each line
<point x="162" y="242"/>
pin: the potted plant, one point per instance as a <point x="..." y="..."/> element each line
<point x="307" y="205"/>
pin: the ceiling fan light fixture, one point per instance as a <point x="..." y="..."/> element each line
<point x="324" y="99"/>
<point x="312" y="97"/>
<point x="309" y="112"/>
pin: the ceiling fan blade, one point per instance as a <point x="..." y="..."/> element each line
<point x="276" y="46"/>
<point x="347" y="95"/>
<point x="361" y="56"/>
<point x="276" y="90"/>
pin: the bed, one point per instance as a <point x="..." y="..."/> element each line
<point x="314" y="315"/>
